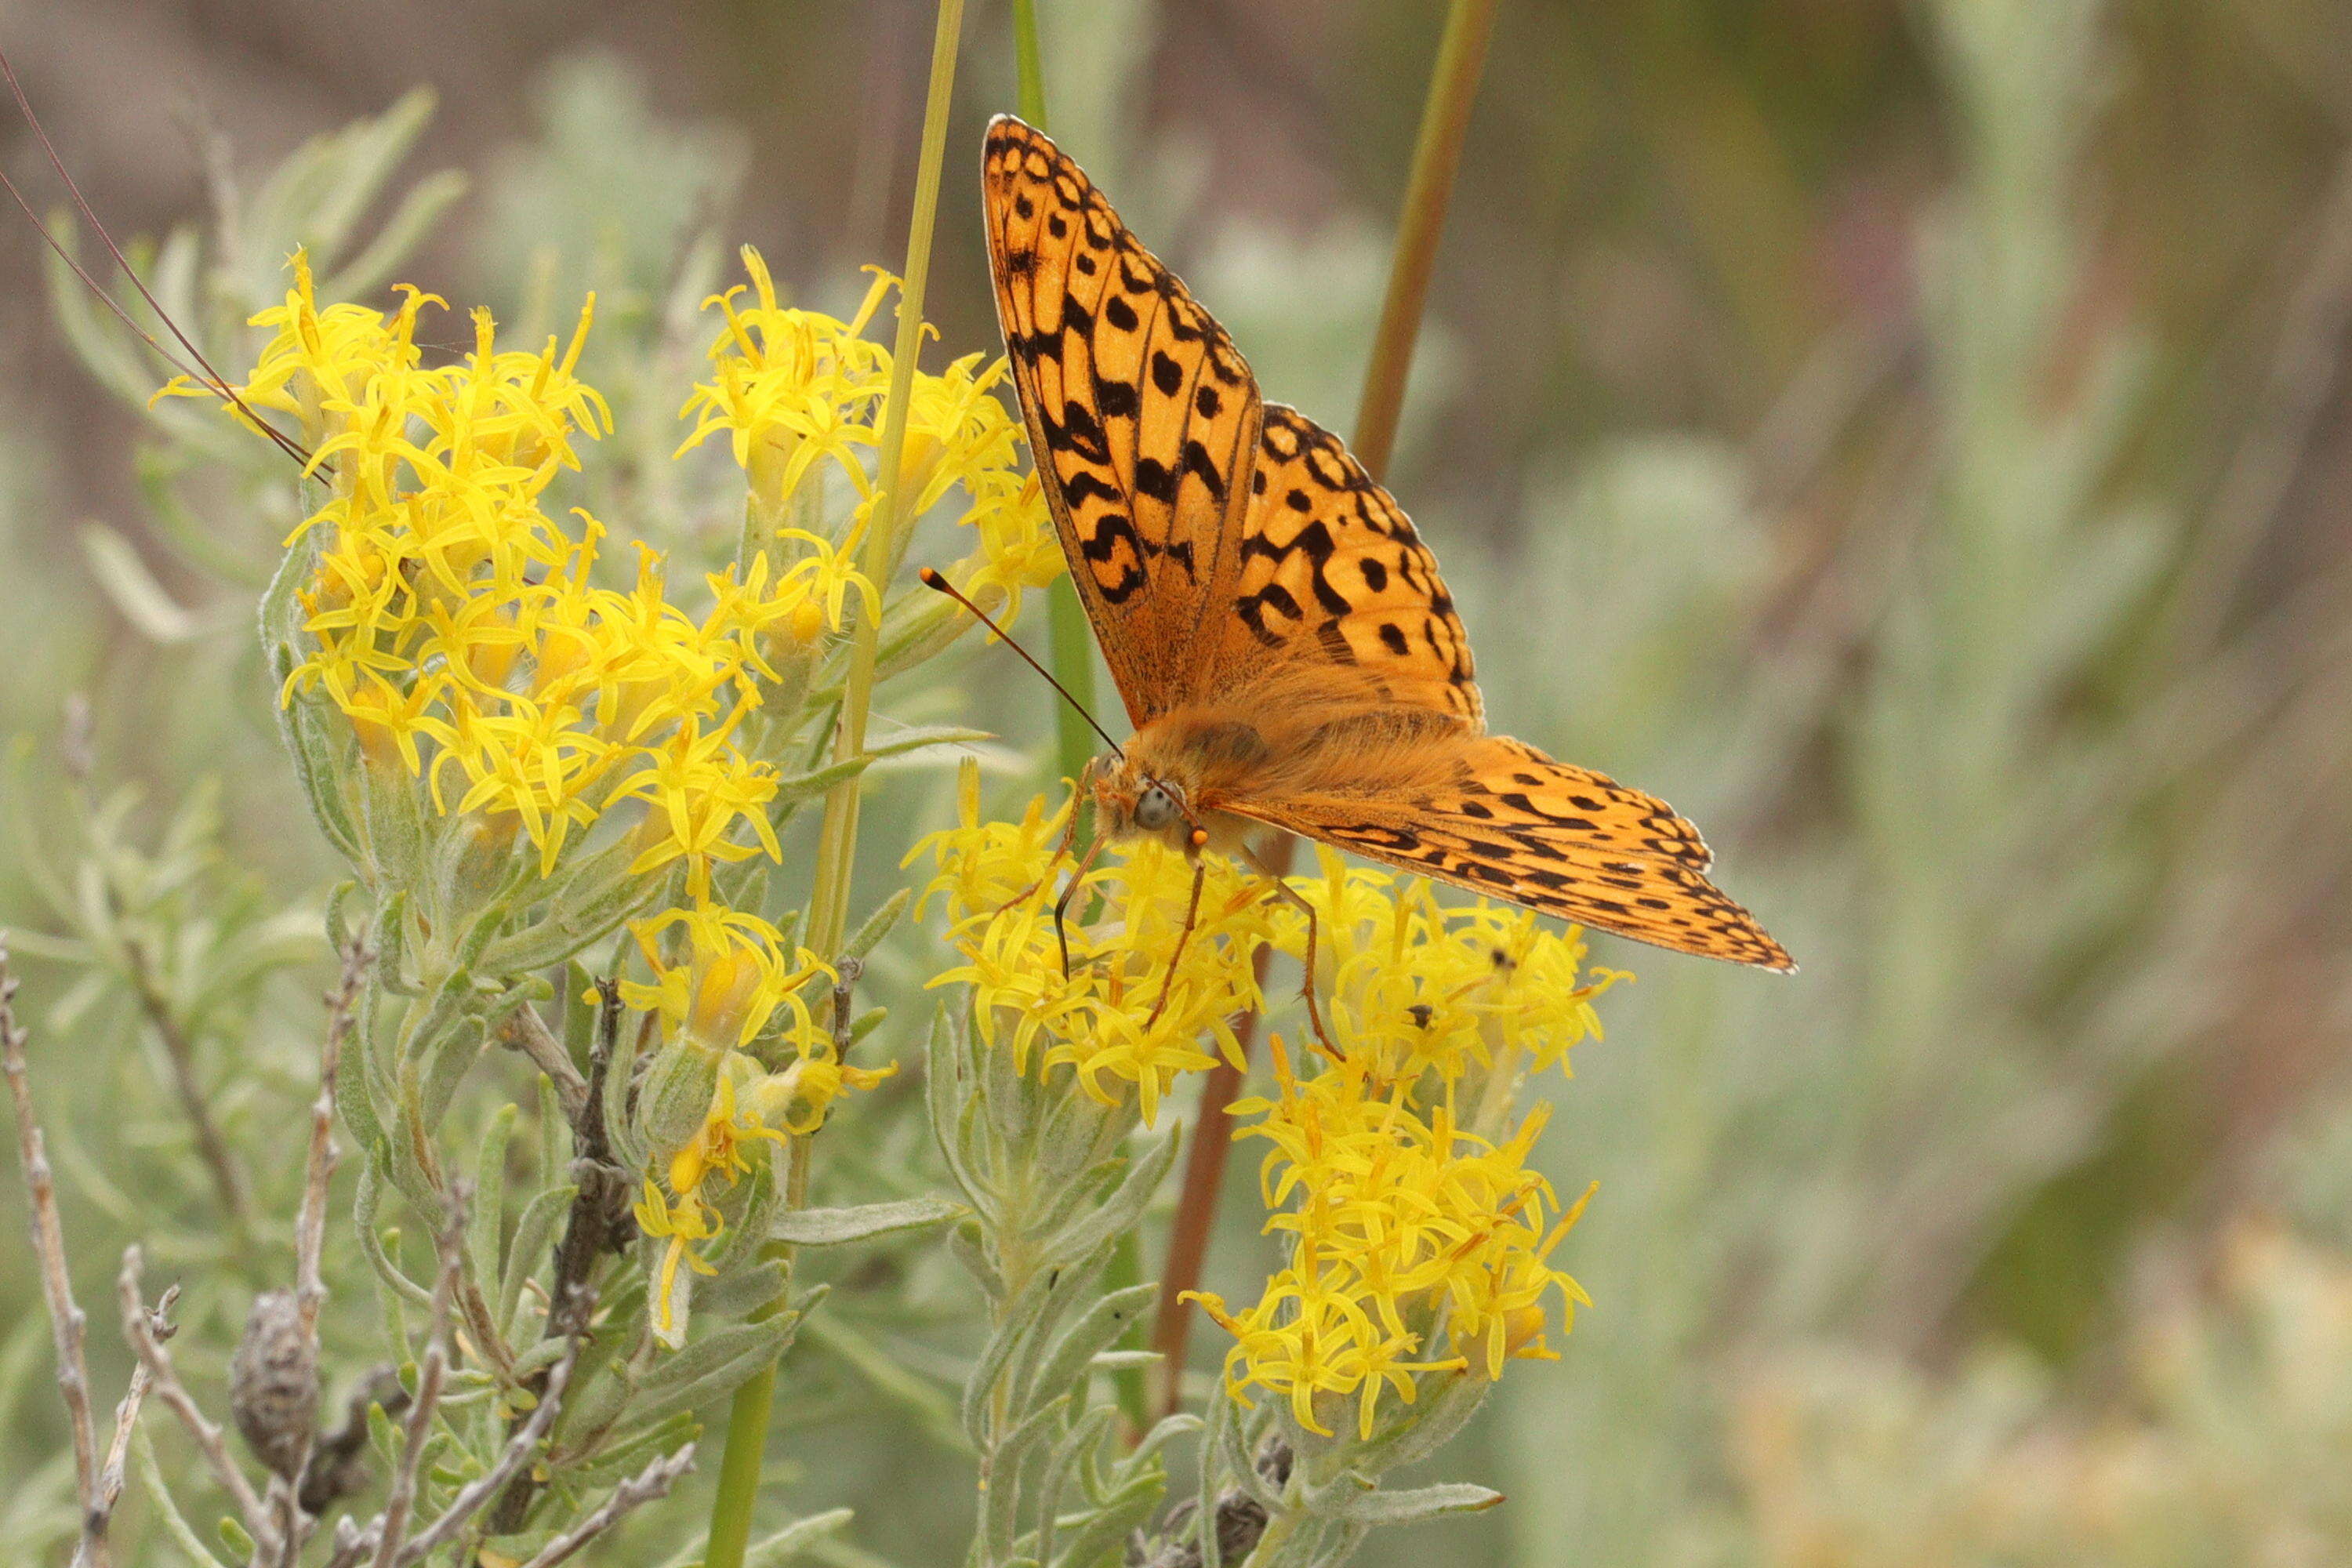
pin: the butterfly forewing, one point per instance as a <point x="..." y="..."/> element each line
<point x="1270" y="615"/>
<point x="1143" y="416"/>
<point x="1331" y="570"/>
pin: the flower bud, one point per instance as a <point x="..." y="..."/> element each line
<point x="273" y="1383"/>
<point x="676" y="1097"/>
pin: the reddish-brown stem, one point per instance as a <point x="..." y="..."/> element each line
<point x="1204" y="1177"/>
<point x="1445" y="117"/>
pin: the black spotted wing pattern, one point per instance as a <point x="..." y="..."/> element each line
<point x="1563" y="840"/>
<point x="1331" y="569"/>
<point x="1143" y="417"/>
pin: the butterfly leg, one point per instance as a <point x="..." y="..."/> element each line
<point x="1062" y="851"/>
<point x="1191" y="918"/>
<point x="1062" y="904"/>
<point x="1280" y="887"/>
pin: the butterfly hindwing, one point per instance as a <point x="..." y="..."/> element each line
<point x="1332" y="571"/>
<point x="1143" y="415"/>
<point x="1515" y="825"/>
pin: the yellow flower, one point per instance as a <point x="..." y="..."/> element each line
<point x="791" y="388"/>
<point x="806" y="600"/>
<point x="795" y="390"/>
<point x="749" y="1106"/>
<point x="1018" y="548"/>
<point x="733" y="977"/>
<point x="1405" y="1228"/>
<point x="1419" y="988"/>
<point x="684" y="1224"/>
<point x="1122" y="1016"/>
<point x="696" y="786"/>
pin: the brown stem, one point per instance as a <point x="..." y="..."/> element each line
<point x="1445" y="122"/>
<point x="67" y="1319"/>
<point x="180" y="1051"/>
<point x="1204" y="1178"/>
<point x="599" y="1223"/>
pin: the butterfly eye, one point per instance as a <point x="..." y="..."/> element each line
<point x="1155" y="808"/>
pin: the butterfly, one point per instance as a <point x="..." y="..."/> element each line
<point x="1285" y="649"/>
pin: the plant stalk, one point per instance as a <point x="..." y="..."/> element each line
<point x="732" y="1504"/>
<point x="1072" y="651"/>
<point x="1436" y="156"/>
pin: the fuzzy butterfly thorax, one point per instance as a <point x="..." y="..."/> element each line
<point x="1281" y="637"/>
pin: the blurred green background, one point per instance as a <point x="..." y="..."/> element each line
<point x="1913" y="438"/>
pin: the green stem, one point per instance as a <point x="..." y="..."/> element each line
<point x="1031" y="68"/>
<point x="837" y="842"/>
<point x="1072" y="660"/>
<point x="738" y="1491"/>
<point x="1445" y="120"/>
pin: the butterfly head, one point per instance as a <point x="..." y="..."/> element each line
<point x="1133" y="800"/>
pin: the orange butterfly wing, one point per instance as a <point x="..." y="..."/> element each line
<point x="1563" y="840"/>
<point x="1215" y="539"/>
<point x="1331" y="571"/>
<point x="1143" y="416"/>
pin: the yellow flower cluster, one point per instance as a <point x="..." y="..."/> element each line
<point x="459" y="627"/>
<point x="465" y="635"/>
<point x="713" y="1006"/>
<point x="1397" y="1165"/>
<point x="1119" y="1017"/>
<point x="799" y="393"/>
<point x="1412" y="1217"/>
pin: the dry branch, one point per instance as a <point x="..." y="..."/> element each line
<point x="68" y="1323"/>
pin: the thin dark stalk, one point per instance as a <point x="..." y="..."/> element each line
<point x="180" y="1051"/>
<point x="211" y="378"/>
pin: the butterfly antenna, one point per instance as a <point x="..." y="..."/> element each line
<point x="932" y="579"/>
<point x="210" y="379"/>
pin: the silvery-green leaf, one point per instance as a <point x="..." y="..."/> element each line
<point x="869" y="935"/>
<point x="534" y="1238"/>
<point x="738" y="1290"/>
<point x="1125" y="1509"/>
<point x="1372" y="1506"/>
<point x="365" y="1203"/>
<point x="1011" y="1332"/>
<point x="789" y="1541"/>
<point x="941" y="1053"/>
<point x="1072" y="1281"/>
<point x="963" y="1241"/>
<point x="486" y="1221"/>
<point x="1121" y="1210"/>
<point x="1084" y="1433"/>
<point x="1426" y="1425"/>
<point x="1085" y="1341"/>
<point x="1006" y="1462"/>
<point x="832" y="1227"/>
<point x="712" y="1366"/>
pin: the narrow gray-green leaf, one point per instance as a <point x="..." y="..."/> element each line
<point x="1376" y="1507"/>
<point x="832" y="1227"/>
